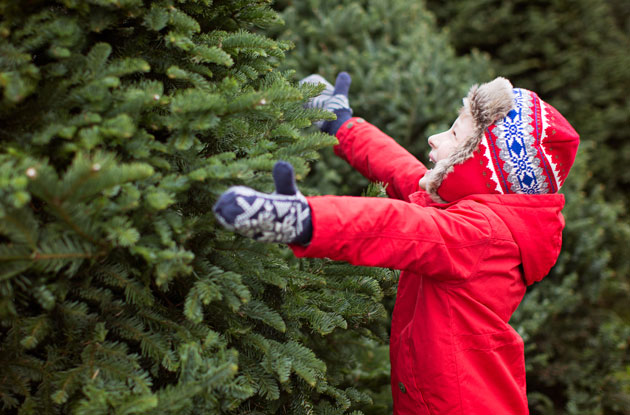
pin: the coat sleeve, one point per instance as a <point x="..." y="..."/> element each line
<point x="379" y="158"/>
<point x="445" y="244"/>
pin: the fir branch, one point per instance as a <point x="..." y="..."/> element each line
<point x="258" y="310"/>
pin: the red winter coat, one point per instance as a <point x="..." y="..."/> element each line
<point x="465" y="267"/>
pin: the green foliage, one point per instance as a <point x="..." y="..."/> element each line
<point x="406" y="79"/>
<point x="120" y="124"/>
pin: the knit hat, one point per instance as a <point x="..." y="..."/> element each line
<point x="520" y="144"/>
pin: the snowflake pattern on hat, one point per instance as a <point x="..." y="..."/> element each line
<point x="517" y="141"/>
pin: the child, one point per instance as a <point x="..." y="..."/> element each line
<point x="469" y="236"/>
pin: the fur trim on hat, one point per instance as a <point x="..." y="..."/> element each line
<point x="490" y="102"/>
<point x="487" y="103"/>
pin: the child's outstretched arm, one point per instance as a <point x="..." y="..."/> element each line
<point x="379" y="158"/>
<point x="441" y="243"/>
<point x="445" y="244"/>
<point x="366" y="148"/>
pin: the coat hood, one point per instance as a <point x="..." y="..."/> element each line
<point x="535" y="221"/>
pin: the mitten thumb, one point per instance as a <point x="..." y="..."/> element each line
<point x="284" y="178"/>
<point x="342" y="84"/>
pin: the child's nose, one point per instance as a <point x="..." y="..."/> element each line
<point x="432" y="141"/>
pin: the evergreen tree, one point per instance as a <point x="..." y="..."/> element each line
<point x="121" y="121"/>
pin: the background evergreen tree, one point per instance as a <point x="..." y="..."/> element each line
<point x="121" y="121"/>
<point x="575" y="323"/>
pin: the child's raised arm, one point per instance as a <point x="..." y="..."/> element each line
<point x="370" y="151"/>
<point x="379" y="158"/>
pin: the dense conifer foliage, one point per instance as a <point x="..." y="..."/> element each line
<point x="120" y="123"/>
<point x="573" y="53"/>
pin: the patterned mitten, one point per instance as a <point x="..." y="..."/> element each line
<point x="332" y="99"/>
<point x="283" y="216"/>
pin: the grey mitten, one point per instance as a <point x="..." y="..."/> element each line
<point x="320" y="100"/>
<point x="333" y="99"/>
<point x="283" y="216"/>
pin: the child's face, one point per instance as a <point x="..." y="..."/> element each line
<point x="444" y="144"/>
